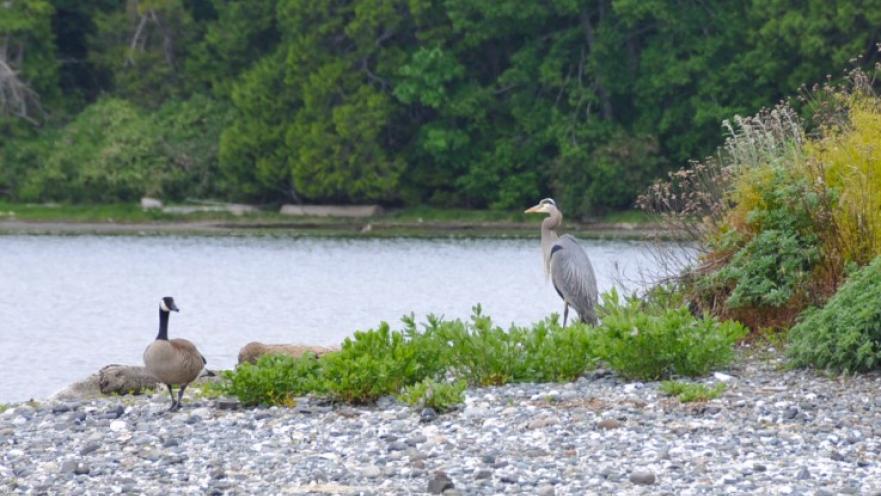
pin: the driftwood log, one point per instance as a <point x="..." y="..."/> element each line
<point x="119" y="379"/>
<point x="254" y="350"/>
<point x="125" y="379"/>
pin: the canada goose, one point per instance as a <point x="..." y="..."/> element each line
<point x="175" y="361"/>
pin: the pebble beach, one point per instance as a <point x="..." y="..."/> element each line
<point x="773" y="431"/>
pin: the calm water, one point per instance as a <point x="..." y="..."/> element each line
<point x="70" y="305"/>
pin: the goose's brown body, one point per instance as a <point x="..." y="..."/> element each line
<point x="174" y="361"/>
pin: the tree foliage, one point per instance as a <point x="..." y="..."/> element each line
<point x="453" y="103"/>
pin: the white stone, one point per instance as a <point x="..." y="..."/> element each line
<point x="722" y="377"/>
<point x="118" y="426"/>
<point x="148" y="203"/>
<point x="371" y="471"/>
<point x="473" y="412"/>
<point x="202" y="412"/>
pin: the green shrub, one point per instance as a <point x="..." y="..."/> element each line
<point x="438" y="395"/>
<point x="773" y="264"/>
<point x="845" y="335"/>
<point x="379" y="362"/>
<point x="274" y="380"/>
<point x="485" y="354"/>
<point x="688" y="392"/>
<point x="552" y="353"/>
<point x="115" y="152"/>
<point x="641" y="340"/>
<point x="645" y="342"/>
<point x="478" y="351"/>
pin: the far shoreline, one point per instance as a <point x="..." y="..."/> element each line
<point x="322" y="227"/>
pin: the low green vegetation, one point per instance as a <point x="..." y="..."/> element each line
<point x="380" y="362"/>
<point x="274" y="380"/>
<point x="638" y="340"/>
<point x="441" y="396"/>
<point x="651" y="341"/>
<point x="845" y="334"/>
<point x="688" y="392"/>
<point x="485" y="354"/>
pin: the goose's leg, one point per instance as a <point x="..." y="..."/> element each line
<point x="180" y="394"/>
<point x="565" y="313"/>
<point x="171" y="393"/>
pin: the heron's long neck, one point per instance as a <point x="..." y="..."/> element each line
<point x="549" y="236"/>
<point x="163" y="326"/>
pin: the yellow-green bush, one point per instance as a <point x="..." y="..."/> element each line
<point x="847" y="161"/>
<point x="786" y="205"/>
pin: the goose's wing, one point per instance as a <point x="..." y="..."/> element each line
<point x="187" y="349"/>
<point x="573" y="276"/>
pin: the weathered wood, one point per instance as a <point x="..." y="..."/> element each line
<point x="125" y="379"/>
<point x="254" y="350"/>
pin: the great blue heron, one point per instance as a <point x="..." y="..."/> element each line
<point x="567" y="264"/>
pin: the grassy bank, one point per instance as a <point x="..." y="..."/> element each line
<point x="416" y="222"/>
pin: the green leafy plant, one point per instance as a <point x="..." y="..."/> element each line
<point x="552" y="353"/>
<point x="844" y="335"/>
<point x="688" y="392"/>
<point x="773" y="263"/>
<point x="478" y="351"/>
<point x="379" y="362"/>
<point x="441" y="396"/>
<point x="485" y="354"/>
<point x="274" y="380"/>
<point x="644" y="342"/>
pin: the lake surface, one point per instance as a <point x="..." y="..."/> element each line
<point x="72" y="304"/>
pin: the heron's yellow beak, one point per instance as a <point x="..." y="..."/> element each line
<point x="534" y="210"/>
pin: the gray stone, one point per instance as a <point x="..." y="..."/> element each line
<point x="69" y="466"/>
<point x="642" y="476"/>
<point x="228" y="404"/>
<point x="546" y="490"/>
<point x="609" y="423"/>
<point x="427" y="415"/>
<point x="483" y="474"/>
<point x="439" y="483"/>
<point x="89" y="448"/>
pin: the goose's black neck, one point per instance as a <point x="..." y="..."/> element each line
<point x="163" y="325"/>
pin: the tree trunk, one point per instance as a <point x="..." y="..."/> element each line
<point x="590" y="37"/>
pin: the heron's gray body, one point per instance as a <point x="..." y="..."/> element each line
<point x="573" y="278"/>
<point x="568" y="266"/>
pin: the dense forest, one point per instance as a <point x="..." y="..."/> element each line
<point x="445" y="102"/>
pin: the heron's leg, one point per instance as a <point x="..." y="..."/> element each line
<point x="565" y="313"/>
